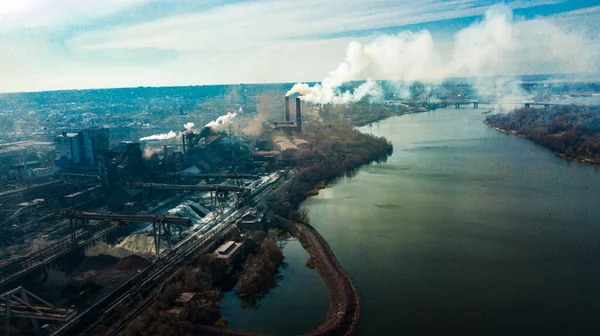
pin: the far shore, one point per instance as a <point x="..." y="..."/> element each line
<point x="582" y="160"/>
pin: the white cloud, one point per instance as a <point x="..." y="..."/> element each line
<point x="259" y="23"/>
<point x="15" y="14"/>
<point x="264" y="41"/>
<point x="10" y="8"/>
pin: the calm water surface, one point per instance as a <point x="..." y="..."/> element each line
<point x="464" y="230"/>
<point x="297" y="305"/>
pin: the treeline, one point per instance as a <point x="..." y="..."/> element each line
<point x="164" y="317"/>
<point x="572" y="131"/>
<point x="363" y="113"/>
<point x="339" y="149"/>
<point x="259" y="268"/>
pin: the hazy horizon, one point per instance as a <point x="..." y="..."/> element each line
<point x="572" y="78"/>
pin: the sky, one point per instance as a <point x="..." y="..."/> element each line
<point x="78" y="44"/>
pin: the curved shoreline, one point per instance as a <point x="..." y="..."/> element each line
<point x="344" y="300"/>
<point x="585" y="161"/>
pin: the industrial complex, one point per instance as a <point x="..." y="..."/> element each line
<point x="100" y="221"/>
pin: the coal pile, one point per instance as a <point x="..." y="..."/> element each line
<point x="99" y="262"/>
<point x="132" y="262"/>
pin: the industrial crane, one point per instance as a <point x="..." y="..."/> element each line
<point x="157" y="220"/>
<point x="21" y="303"/>
<point x="220" y="190"/>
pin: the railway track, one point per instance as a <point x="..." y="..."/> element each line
<point x="155" y="275"/>
<point x="21" y="267"/>
<point x="150" y="281"/>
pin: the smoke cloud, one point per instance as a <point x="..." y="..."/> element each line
<point x="164" y="136"/>
<point x="172" y="134"/>
<point x="148" y="152"/>
<point x="221" y="122"/>
<point x="267" y="108"/>
<point x="497" y="45"/>
<point x="188" y="126"/>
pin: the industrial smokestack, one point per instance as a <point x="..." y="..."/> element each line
<point x="166" y="158"/>
<point x="298" y="116"/>
<point x="287" y="108"/>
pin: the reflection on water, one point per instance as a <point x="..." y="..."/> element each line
<point x="297" y="304"/>
<point x="253" y="301"/>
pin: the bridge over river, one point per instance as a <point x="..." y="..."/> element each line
<point x="475" y="103"/>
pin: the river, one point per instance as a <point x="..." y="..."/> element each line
<point x="464" y="230"/>
<point x="297" y="305"/>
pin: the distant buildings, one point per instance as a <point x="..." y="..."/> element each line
<point x="18" y="150"/>
<point x="83" y="148"/>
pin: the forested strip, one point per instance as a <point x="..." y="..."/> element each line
<point x="573" y="131"/>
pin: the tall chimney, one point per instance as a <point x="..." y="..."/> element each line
<point x="166" y="157"/>
<point x="287" y="108"/>
<point x="298" y="116"/>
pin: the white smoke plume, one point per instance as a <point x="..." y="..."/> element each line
<point x="497" y="45"/>
<point x="221" y="122"/>
<point x="172" y="134"/>
<point x="164" y="136"/>
<point x="188" y="126"/>
<point x="327" y="92"/>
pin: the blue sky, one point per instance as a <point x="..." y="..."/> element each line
<point x="73" y="44"/>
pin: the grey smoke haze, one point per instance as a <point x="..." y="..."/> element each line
<point x="149" y="151"/>
<point x="497" y="45"/>
<point x="267" y="108"/>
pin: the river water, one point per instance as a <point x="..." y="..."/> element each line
<point x="464" y="230"/>
<point x="297" y="305"/>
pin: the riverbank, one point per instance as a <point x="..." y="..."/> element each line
<point x="578" y="159"/>
<point x="365" y="113"/>
<point x="344" y="301"/>
<point x="341" y="149"/>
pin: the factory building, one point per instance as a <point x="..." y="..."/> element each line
<point x="96" y="144"/>
<point x="285" y="146"/>
<point x="302" y="144"/>
<point x="229" y="253"/>
<point x="83" y="148"/>
<point x="252" y="221"/>
<point x="69" y="149"/>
